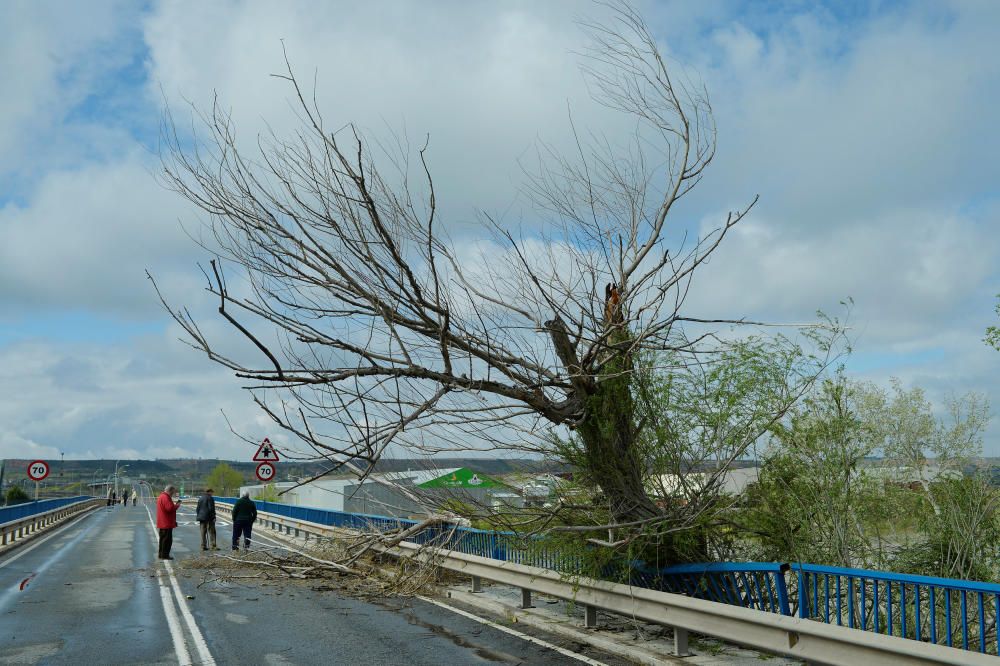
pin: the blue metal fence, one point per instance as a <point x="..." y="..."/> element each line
<point x="947" y="611"/>
<point x="18" y="511"/>
<point x="957" y="613"/>
<point x="757" y="585"/>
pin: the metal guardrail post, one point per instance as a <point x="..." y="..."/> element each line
<point x="526" y="598"/>
<point x="681" y="642"/>
<point x="477" y="584"/>
<point x="590" y="617"/>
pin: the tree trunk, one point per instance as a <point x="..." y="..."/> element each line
<point x="609" y="436"/>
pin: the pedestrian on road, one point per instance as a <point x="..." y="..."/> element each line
<point x="166" y="519"/>
<point x="110" y="497"/>
<point x="206" y="518"/>
<point x="114" y="498"/>
<point x="135" y="496"/>
<point x="244" y="515"/>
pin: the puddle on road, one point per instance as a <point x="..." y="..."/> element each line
<point x="237" y="618"/>
<point x="484" y="653"/>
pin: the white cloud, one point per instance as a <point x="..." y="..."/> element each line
<point x="171" y="407"/>
<point x="86" y="236"/>
<point x="870" y="141"/>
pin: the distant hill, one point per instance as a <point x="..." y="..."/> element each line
<point x="74" y="476"/>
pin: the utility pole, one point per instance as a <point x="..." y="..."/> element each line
<point x="3" y="463"/>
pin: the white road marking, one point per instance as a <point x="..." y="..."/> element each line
<point x="508" y="630"/>
<point x="176" y="633"/>
<point x="489" y="623"/>
<point x="27" y="549"/>
<point x="196" y="637"/>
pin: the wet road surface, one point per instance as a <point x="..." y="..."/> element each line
<point x="93" y="592"/>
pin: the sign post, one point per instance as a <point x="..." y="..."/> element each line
<point x="37" y="471"/>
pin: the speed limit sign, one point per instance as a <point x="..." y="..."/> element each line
<point x="38" y="470"/>
<point x="265" y="471"/>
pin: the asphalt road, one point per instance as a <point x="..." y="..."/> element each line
<point x="93" y="592"/>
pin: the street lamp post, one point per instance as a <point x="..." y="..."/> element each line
<point x="116" y="475"/>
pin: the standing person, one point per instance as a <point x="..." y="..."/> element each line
<point x="206" y="519"/>
<point x="135" y="496"/>
<point x="244" y="515"/>
<point x="114" y="499"/>
<point x="166" y="519"/>
<point x="110" y="496"/>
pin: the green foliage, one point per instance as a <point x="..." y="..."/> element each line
<point x="224" y="480"/>
<point x="859" y="476"/>
<point x="961" y="535"/>
<point x="993" y="332"/>
<point x="17" y="495"/>
<point x="692" y="418"/>
<point x="269" y="493"/>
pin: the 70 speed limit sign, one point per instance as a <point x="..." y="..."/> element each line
<point x="265" y="471"/>
<point x="38" y="470"/>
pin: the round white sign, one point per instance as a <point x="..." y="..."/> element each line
<point x="38" y="470"/>
<point x="265" y="471"/>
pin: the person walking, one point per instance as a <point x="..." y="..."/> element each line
<point x="166" y="519"/>
<point x="135" y="496"/>
<point x="110" y="497"/>
<point x="244" y="515"/>
<point x="206" y="519"/>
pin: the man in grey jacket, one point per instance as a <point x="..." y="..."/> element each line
<point x="206" y="518"/>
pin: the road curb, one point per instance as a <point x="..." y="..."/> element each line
<point x="530" y="618"/>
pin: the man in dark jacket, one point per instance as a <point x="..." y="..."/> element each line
<point x="244" y="515"/>
<point x="206" y="519"/>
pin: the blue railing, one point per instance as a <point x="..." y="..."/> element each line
<point x="19" y="511"/>
<point x="757" y="585"/>
<point x="505" y="546"/>
<point x="947" y="611"/>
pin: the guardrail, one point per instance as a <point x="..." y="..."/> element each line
<point x="770" y="631"/>
<point x="17" y="528"/>
<point x="16" y="511"/>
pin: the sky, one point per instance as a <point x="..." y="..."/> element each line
<point x="867" y="129"/>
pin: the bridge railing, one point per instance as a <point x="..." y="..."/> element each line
<point x="9" y="513"/>
<point x="956" y="613"/>
<point x="950" y="612"/>
<point x="33" y="516"/>
<point x="742" y="587"/>
<point x="758" y="585"/>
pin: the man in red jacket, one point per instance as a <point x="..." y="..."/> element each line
<point x="166" y="519"/>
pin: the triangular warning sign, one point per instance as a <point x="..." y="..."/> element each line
<point x="266" y="452"/>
